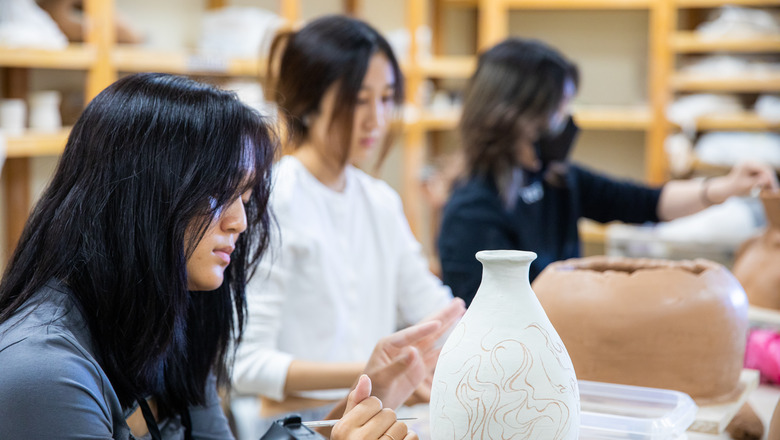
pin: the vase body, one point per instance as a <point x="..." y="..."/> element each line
<point x="758" y="257"/>
<point x="679" y="325"/>
<point x="504" y="373"/>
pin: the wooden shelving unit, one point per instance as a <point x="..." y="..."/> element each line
<point x="102" y="60"/>
<point x="684" y="41"/>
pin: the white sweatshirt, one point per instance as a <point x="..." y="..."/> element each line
<point x="344" y="271"/>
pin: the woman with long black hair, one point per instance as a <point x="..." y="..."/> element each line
<point x="127" y="287"/>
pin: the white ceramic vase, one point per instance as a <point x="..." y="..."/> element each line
<point x="504" y="372"/>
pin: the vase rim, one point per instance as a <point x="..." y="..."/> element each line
<point x="506" y="255"/>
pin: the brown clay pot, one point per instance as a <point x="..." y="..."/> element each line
<point x="758" y="258"/>
<point x="679" y="325"/>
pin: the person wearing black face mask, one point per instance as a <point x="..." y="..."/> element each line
<point x="519" y="190"/>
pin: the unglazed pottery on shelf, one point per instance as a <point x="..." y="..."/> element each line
<point x="679" y="325"/>
<point x="758" y="258"/>
<point x="504" y="372"/>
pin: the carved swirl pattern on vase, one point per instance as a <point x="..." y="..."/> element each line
<point x="505" y="391"/>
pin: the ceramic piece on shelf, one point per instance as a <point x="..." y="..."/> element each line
<point x="504" y="372"/>
<point x="45" y="111"/>
<point x="679" y="325"/>
<point x="758" y="256"/>
<point x="13" y="116"/>
<point x="23" y="24"/>
<point x="68" y="14"/>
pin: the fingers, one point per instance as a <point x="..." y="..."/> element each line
<point x="411" y="435"/>
<point x="361" y="392"/>
<point x="384" y="422"/>
<point x="359" y="415"/>
<point x="408" y="358"/>
<point x="450" y="313"/>
<point x="411" y="335"/>
<point x="396" y="431"/>
<point x="368" y="420"/>
<point x="448" y="316"/>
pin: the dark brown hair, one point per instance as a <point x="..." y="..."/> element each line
<point x="304" y="64"/>
<point x="517" y="82"/>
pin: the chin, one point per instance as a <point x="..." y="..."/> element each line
<point x="207" y="285"/>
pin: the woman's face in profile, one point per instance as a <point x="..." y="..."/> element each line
<point x="206" y="266"/>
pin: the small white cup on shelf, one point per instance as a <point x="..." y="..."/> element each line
<point x="45" y="111"/>
<point x="13" y="116"/>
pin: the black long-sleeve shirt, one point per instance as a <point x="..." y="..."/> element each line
<point x="475" y="218"/>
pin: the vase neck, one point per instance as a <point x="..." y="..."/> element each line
<point x="503" y="279"/>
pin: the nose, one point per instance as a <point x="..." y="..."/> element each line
<point x="234" y="218"/>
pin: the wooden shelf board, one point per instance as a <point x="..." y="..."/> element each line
<point x="561" y="4"/>
<point x="578" y="4"/>
<point x="713" y="418"/>
<point x="690" y="42"/>
<point x="133" y="59"/>
<point x="764" y="317"/>
<point x="743" y="121"/>
<point x="592" y="232"/>
<point x="75" y="56"/>
<point x="461" y="3"/>
<point x="613" y="117"/>
<point x="744" y="83"/>
<point x="588" y="118"/>
<point x="444" y="67"/>
<point x="33" y="144"/>
<point x="718" y="3"/>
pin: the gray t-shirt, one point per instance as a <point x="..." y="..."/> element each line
<point x="52" y="387"/>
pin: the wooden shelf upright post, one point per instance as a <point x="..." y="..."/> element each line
<point x="662" y="21"/>
<point x="16" y="172"/>
<point x="101" y="34"/>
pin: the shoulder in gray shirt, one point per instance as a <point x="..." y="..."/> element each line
<point x="52" y="387"/>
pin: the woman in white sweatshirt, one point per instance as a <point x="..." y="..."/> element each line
<point x="346" y="270"/>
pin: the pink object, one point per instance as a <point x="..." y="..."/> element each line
<point x="763" y="354"/>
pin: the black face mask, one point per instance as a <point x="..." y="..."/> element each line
<point x="556" y="147"/>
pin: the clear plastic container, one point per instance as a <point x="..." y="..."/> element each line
<point x="613" y="411"/>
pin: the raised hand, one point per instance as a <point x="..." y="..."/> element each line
<point x="402" y="361"/>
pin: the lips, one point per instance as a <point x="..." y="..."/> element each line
<point x="224" y="253"/>
<point x="367" y="142"/>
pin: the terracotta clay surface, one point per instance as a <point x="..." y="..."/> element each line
<point x="774" y="424"/>
<point x="758" y="258"/>
<point x="746" y="425"/>
<point x="656" y="323"/>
